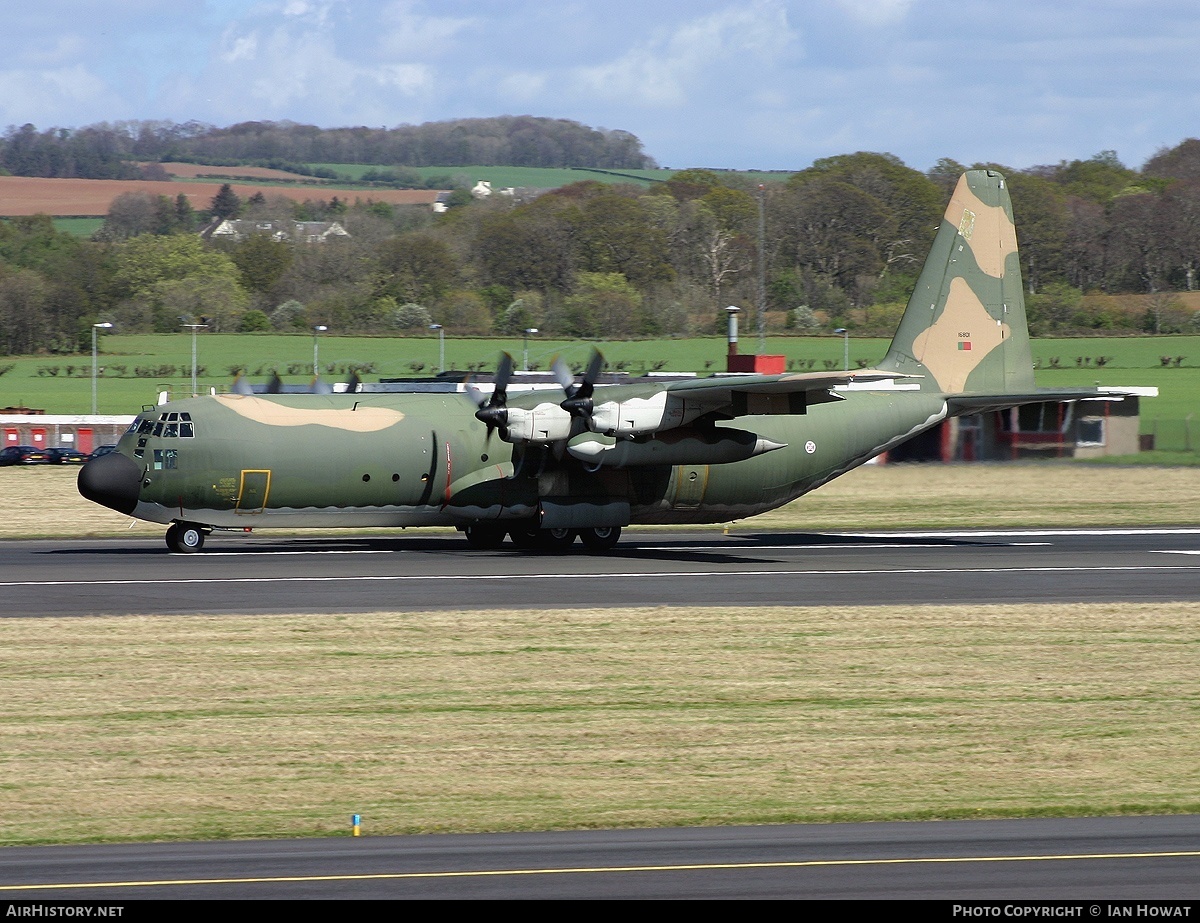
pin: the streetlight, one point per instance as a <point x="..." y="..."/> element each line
<point x="317" y="331"/>
<point x="846" y="342"/>
<point x="194" y="328"/>
<point x="95" y="327"/>
<point x="529" y="331"/>
<point x="441" y="346"/>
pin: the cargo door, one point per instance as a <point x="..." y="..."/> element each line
<point x="252" y="494"/>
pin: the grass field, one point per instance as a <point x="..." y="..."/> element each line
<point x="1131" y="361"/>
<point x="541" y="177"/>
<point x="199" y="727"/>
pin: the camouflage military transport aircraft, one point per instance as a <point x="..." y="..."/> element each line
<point x="543" y="471"/>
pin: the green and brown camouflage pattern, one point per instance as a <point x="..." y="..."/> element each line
<point x="375" y="459"/>
<point x="964" y="328"/>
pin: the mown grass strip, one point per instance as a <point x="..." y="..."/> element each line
<point x="182" y="728"/>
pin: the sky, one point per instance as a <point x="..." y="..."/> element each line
<point x="735" y="84"/>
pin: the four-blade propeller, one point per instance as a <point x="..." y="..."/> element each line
<point x="493" y="409"/>
<point x="579" y="396"/>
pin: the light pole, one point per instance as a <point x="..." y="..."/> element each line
<point x="317" y="331"/>
<point x="194" y="328"/>
<point x="529" y="331"/>
<point x="441" y="346"/>
<point x="762" y="270"/>
<point x="95" y="327"/>
<point x="846" y="343"/>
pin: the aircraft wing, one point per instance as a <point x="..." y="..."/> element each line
<point x="748" y="395"/>
<point x="961" y="404"/>
<point x="736" y="394"/>
<point x="649" y="407"/>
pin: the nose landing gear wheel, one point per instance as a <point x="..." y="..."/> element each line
<point x="184" y="538"/>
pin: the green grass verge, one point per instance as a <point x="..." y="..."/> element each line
<point x="1132" y="361"/>
<point x="542" y="177"/>
<point x="158" y="728"/>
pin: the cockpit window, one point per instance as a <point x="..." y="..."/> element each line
<point x="169" y="425"/>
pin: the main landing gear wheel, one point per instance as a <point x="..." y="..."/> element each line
<point x="185" y="537"/>
<point x="524" y="538"/>
<point x="600" y="538"/>
<point x="555" y="539"/>
<point x="484" y="536"/>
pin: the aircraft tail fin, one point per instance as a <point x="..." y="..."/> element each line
<point x="964" y="329"/>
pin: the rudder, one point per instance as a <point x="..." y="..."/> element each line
<point x="964" y="329"/>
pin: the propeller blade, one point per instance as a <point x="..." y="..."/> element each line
<point x="320" y="387"/>
<point x="478" y="397"/>
<point x="241" y="385"/>
<point x="275" y="385"/>
<point x="579" y="396"/>
<point x="562" y="374"/>
<point x="353" y="383"/>
<point x="493" y="411"/>
<point x="503" y="374"/>
<point x="594" y="370"/>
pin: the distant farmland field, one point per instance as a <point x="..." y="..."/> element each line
<point x="28" y="195"/>
<point x="539" y="177"/>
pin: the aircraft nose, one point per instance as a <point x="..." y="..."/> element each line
<point x="112" y="480"/>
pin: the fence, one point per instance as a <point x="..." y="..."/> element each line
<point x="1171" y="435"/>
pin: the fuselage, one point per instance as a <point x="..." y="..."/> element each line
<point x="369" y="460"/>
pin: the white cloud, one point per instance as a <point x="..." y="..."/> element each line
<point x="877" y="12"/>
<point x="57" y="95"/>
<point x="670" y="69"/>
<point x="240" y="48"/>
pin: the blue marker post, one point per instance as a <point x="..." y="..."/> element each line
<point x="356" y="825"/>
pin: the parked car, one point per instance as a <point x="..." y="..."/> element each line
<point x="65" y="456"/>
<point x="22" y="455"/>
<point x="102" y="450"/>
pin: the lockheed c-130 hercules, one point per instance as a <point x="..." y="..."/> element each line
<point x="589" y="462"/>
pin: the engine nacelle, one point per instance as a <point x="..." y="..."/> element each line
<point x="674" y="447"/>
<point x="637" y="416"/>
<point x="544" y="424"/>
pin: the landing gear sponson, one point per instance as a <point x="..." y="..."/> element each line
<point x="188" y="538"/>
<point x="491" y="536"/>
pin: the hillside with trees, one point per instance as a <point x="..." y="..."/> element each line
<point x="1105" y="248"/>
<point x="113" y="150"/>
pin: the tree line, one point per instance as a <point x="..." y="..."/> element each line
<point x="113" y="150"/>
<point x="838" y="244"/>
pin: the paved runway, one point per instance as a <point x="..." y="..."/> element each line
<point x="1143" y="859"/>
<point x="1088" y="860"/>
<point x="260" y="574"/>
